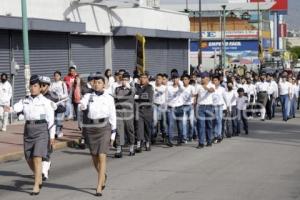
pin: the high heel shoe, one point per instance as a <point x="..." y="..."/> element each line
<point x="34" y="193"/>
<point x="98" y="194"/>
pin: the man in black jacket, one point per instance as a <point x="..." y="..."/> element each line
<point x="144" y="112"/>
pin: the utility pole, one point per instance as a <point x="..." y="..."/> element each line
<point x="224" y="38"/>
<point x="25" y="46"/>
<point x="258" y="34"/>
<point x="200" y="35"/>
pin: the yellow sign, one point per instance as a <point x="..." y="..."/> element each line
<point x="140" y="53"/>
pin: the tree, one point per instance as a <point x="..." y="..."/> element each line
<point x="296" y="50"/>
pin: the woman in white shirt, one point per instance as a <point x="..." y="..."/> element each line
<point x="100" y="126"/>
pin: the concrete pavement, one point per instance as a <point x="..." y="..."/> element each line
<point x="262" y="166"/>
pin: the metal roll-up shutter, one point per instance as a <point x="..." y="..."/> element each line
<point x="88" y="54"/>
<point x="17" y="52"/>
<point x="48" y="53"/>
<point x="156" y="55"/>
<point x="178" y="55"/>
<point x="4" y="52"/>
<point x="124" y="53"/>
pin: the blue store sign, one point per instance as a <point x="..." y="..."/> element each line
<point x="231" y="46"/>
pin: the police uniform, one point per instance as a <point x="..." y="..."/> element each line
<point x="124" y="99"/>
<point x="144" y="114"/>
<point x="100" y="125"/>
<point x="39" y="115"/>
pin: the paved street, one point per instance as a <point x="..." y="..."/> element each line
<point x="262" y="166"/>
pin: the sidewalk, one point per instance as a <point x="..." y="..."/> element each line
<point x="11" y="141"/>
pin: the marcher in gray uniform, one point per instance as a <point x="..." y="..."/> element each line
<point x="124" y="99"/>
<point x="100" y="127"/>
<point x="144" y="112"/>
<point x="39" y="115"/>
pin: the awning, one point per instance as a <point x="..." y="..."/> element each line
<point x="15" y="23"/>
<point x="132" y="31"/>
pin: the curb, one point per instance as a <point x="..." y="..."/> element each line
<point x="19" y="155"/>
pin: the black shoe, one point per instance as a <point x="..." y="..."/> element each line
<point x="209" y="144"/>
<point x="179" y="144"/>
<point x="139" y="150"/>
<point x="219" y="140"/>
<point x="44" y="178"/>
<point x="246" y="132"/>
<point x="132" y="153"/>
<point x="170" y="144"/>
<point x="34" y="193"/>
<point x="118" y="155"/>
<point x="200" y="146"/>
<point x="215" y="140"/>
<point x="98" y="194"/>
<point x="148" y="148"/>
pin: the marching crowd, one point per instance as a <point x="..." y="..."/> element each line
<point x="120" y="109"/>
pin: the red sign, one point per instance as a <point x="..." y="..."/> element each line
<point x="280" y="5"/>
<point x="282" y="30"/>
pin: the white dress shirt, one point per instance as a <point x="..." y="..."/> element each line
<point x="262" y="86"/>
<point x="60" y="88"/>
<point x="285" y="87"/>
<point x="188" y="94"/>
<point x="205" y="97"/>
<point x="230" y="98"/>
<point x="174" y="96"/>
<point x="100" y="107"/>
<point x="241" y="103"/>
<point x="218" y="96"/>
<point x="159" y="96"/>
<point x="5" y="93"/>
<point x="38" y="108"/>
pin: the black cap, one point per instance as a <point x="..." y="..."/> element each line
<point x="174" y="75"/>
<point x="34" y="79"/>
<point x="240" y="90"/>
<point x="126" y="75"/>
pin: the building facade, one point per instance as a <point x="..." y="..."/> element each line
<point x="92" y="36"/>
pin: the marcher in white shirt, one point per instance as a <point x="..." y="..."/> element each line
<point x="262" y="88"/>
<point x="242" y="103"/>
<point x="159" y="107"/>
<point x="175" y="111"/>
<point x="205" y="110"/>
<point x="252" y="95"/>
<point x="294" y="98"/>
<point x="188" y="94"/>
<point x="5" y="97"/>
<point x="230" y="100"/>
<point x="100" y="127"/>
<point x="218" y="102"/>
<point x="285" y="89"/>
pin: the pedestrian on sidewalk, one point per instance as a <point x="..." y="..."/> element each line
<point x="60" y="88"/>
<point x="39" y="116"/>
<point x="69" y="80"/>
<point x="5" y="97"/>
<point x="100" y="128"/>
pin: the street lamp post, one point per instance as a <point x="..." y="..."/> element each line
<point x="224" y="37"/>
<point x="200" y="35"/>
<point x="25" y="46"/>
